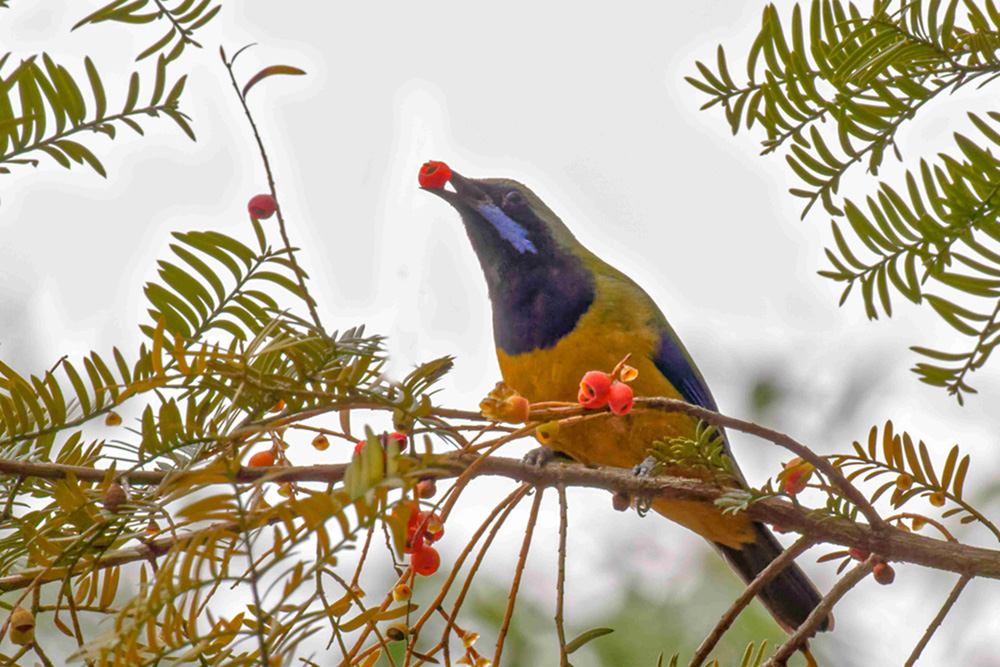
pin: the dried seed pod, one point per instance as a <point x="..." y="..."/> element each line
<point x="114" y="497"/>
<point x="22" y="626"/>
<point x="397" y="632"/>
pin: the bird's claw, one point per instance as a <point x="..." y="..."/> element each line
<point x="645" y="469"/>
<point x="539" y="456"/>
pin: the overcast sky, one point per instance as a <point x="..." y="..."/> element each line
<point x="585" y="105"/>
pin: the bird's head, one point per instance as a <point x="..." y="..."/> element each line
<point x="534" y="267"/>
<point x="507" y="223"/>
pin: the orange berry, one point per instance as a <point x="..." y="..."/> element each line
<point x="884" y="574"/>
<point x="277" y="407"/>
<point x="398" y="437"/>
<point x="402" y="593"/>
<point x="515" y="409"/>
<point x="425" y="561"/>
<point x="113" y="419"/>
<point x="261" y="459"/>
<point x="434" y="174"/>
<point x="594" y="389"/>
<point x="320" y="442"/>
<point x="620" y="398"/>
<point x="426" y="488"/>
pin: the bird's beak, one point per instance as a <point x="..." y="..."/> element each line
<point x="467" y="194"/>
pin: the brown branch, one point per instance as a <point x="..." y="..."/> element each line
<point x="891" y="543"/>
<point x="561" y="577"/>
<point x="766" y="575"/>
<point x="515" y="585"/>
<point x="945" y="608"/>
<point x="850" y="492"/>
<point x="801" y="636"/>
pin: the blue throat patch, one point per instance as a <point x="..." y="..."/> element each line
<point x="511" y="232"/>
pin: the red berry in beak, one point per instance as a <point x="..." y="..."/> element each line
<point x="434" y="174"/>
<point x="262" y="207"/>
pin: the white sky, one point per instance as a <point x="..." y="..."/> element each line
<point x="585" y="105"/>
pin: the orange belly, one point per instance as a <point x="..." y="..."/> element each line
<point x="620" y="442"/>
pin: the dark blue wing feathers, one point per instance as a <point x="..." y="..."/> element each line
<point x="677" y="367"/>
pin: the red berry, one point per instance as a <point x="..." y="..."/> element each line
<point x="262" y="207"/>
<point x="400" y="438"/>
<point x="884" y="573"/>
<point x="620" y="398"/>
<point x="261" y="460"/>
<point x="426" y="561"/>
<point x="594" y="389"/>
<point x="426" y="488"/>
<point x="434" y="174"/>
<point x="795" y="476"/>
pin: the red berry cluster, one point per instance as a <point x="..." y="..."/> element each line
<point x="423" y="529"/>
<point x="598" y="389"/>
<point x="434" y="174"/>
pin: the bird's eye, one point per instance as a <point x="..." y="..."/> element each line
<point x="513" y="199"/>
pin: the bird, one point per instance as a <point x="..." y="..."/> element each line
<point x="560" y="311"/>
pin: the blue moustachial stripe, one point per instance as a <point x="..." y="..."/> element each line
<point x="512" y="232"/>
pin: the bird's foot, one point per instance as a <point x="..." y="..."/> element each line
<point x="539" y="456"/>
<point x="645" y="469"/>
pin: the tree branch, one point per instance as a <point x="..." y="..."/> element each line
<point x="819" y="614"/>
<point x="945" y="608"/>
<point x="766" y="575"/>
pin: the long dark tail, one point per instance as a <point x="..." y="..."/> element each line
<point x="790" y="596"/>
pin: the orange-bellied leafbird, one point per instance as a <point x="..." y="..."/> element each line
<point x="558" y="312"/>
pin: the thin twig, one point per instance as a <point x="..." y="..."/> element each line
<point x="364" y="555"/>
<point x="820" y="613"/>
<point x="483" y="550"/>
<point x="516" y="584"/>
<point x="767" y="574"/>
<point x="299" y="273"/>
<point x="561" y="577"/>
<point x="850" y="492"/>
<point x="415" y="630"/>
<point x="952" y="597"/>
